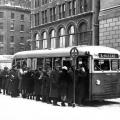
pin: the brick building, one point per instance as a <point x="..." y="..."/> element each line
<point x="14" y="25"/>
<point x="63" y="23"/>
<point x="109" y="20"/>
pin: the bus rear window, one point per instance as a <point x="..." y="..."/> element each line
<point x="101" y="65"/>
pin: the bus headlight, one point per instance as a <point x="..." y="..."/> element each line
<point x="98" y="82"/>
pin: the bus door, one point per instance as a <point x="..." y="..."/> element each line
<point x="82" y="78"/>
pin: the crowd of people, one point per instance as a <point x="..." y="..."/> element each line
<point x="50" y="86"/>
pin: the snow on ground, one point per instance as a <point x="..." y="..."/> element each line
<point x="24" y="109"/>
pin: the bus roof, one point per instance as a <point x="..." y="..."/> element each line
<point x="64" y="52"/>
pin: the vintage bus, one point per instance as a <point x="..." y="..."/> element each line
<point x="102" y="63"/>
<point x="6" y="61"/>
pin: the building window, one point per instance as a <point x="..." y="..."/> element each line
<point x="36" y="19"/>
<point x="12" y="26"/>
<point x="71" y="33"/>
<point x="83" y="6"/>
<point x="62" y="37"/>
<point x="52" y="14"/>
<point x="52" y="39"/>
<point x="70" y="8"/>
<point x="50" y="0"/>
<point x="37" y="41"/>
<point x="22" y="28"/>
<point x="44" y="2"/>
<point x="44" y="17"/>
<point x="12" y="16"/>
<point x="85" y="36"/>
<point x="0" y="2"/>
<point x="1" y="25"/>
<point x="63" y="10"/>
<point x="11" y="50"/>
<point x="22" y="17"/>
<point x="11" y="39"/>
<point x="1" y="38"/>
<point x="74" y="7"/>
<point x="37" y="3"/>
<point x="60" y="11"/>
<point x="1" y="49"/>
<point x="44" y="39"/>
<point x="6" y="1"/>
<point x="21" y="39"/>
<point x="1" y="14"/>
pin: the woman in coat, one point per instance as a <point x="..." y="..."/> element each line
<point x="64" y="80"/>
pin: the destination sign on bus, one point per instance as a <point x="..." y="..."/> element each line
<point x="107" y="55"/>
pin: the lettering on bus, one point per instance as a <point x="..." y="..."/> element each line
<point x="107" y="55"/>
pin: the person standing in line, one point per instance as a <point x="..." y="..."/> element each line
<point x="20" y="73"/>
<point x="45" y="87"/>
<point x="80" y="84"/>
<point x="4" y="75"/>
<point x="0" y="81"/>
<point x="24" y="81"/>
<point x="63" y="84"/>
<point x="14" y="82"/>
<point x="37" y="87"/>
<point x="54" y="94"/>
<point x="70" y="87"/>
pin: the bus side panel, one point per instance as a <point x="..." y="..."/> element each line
<point x="105" y="86"/>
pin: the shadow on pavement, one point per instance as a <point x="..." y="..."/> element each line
<point x="98" y="103"/>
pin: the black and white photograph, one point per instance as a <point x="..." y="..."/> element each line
<point x="60" y="59"/>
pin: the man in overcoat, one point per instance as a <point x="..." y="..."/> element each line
<point x="54" y="93"/>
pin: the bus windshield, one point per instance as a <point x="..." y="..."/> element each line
<point x="101" y="65"/>
<point x="106" y="64"/>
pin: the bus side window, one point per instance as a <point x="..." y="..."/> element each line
<point x="48" y="63"/>
<point x="40" y="62"/>
<point x="97" y="65"/>
<point x="57" y="62"/>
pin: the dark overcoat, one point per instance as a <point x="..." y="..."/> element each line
<point x="37" y="82"/>
<point x="54" y="87"/>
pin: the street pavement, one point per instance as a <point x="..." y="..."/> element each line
<point x="24" y="109"/>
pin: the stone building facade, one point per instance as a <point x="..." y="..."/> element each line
<point x="14" y="26"/>
<point x="109" y="21"/>
<point x="64" y="23"/>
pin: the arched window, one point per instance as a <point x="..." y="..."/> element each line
<point x="71" y="33"/>
<point x="52" y="39"/>
<point x="44" y="39"/>
<point x="37" y="41"/>
<point x="62" y="37"/>
<point x="84" y="34"/>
